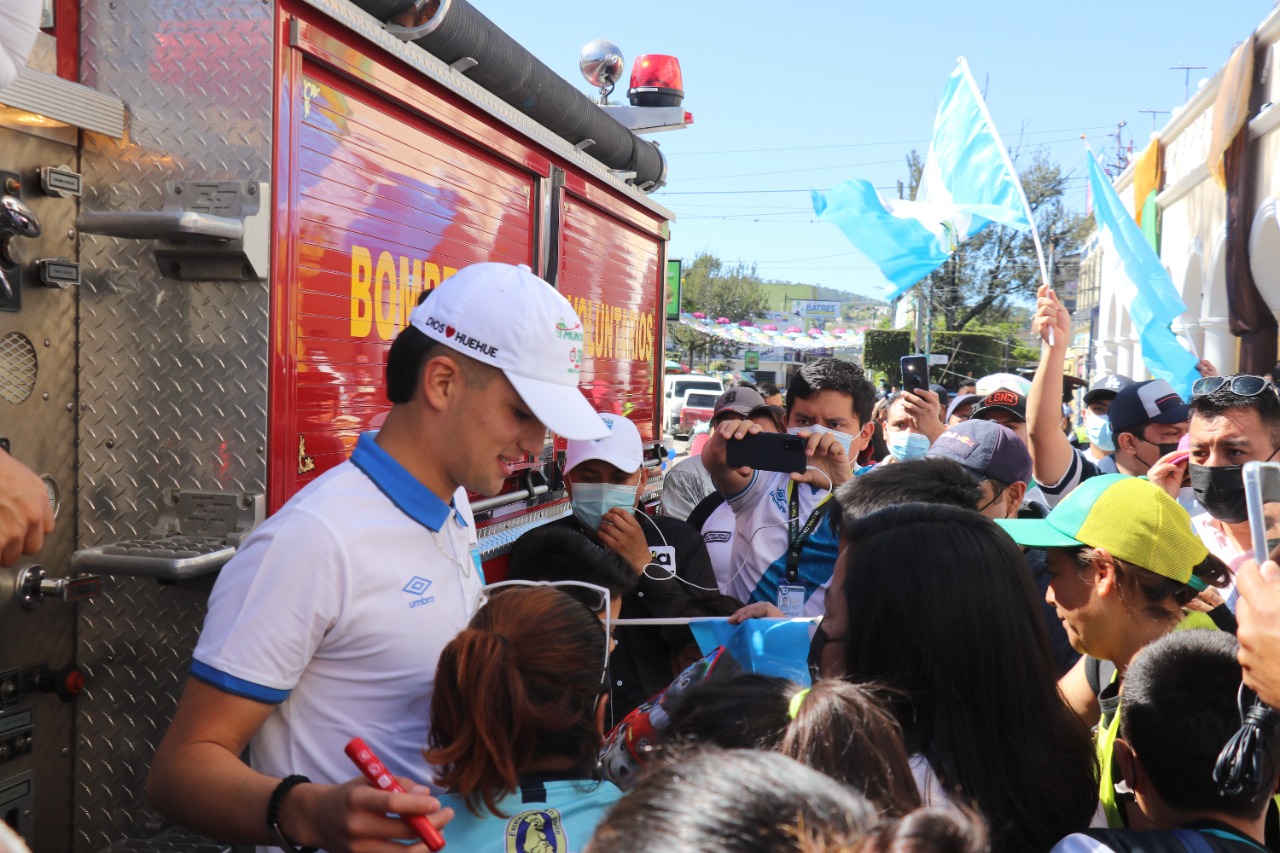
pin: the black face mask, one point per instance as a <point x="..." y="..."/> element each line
<point x="1162" y="450"/>
<point x="1221" y="490"/>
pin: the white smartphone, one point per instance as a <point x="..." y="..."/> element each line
<point x="1262" y="497"/>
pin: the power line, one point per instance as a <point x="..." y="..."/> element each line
<point x="865" y="144"/>
<point x="788" y="171"/>
<point x="1082" y="179"/>
<point x="817" y="168"/>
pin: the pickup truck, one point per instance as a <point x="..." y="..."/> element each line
<point x="696" y="408"/>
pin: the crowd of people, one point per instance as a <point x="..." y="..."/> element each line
<point x="1020" y="644"/>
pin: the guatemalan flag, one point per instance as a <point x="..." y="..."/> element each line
<point x="968" y="183"/>
<point x="1143" y="285"/>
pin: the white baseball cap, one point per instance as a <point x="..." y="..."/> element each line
<point x="620" y="447"/>
<point x="506" y="317"/>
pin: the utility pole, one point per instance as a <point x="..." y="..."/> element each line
<point x="1121" y="160"/>
<point x="928" y="327"/>
<point x="1186" y="80"/>
<point x="1154" y="113"/>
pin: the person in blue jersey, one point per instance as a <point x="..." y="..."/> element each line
<point x="784" y="548"/>
<point x="329" y="619"/>
<point x="516" y="722"/>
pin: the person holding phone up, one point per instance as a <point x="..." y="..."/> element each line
<point x="914" y="417"/>
<point x="784" y="549"/>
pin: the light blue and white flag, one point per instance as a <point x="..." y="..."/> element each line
<point x="968" y="183"/>
<point x="769" y="646"/>
<point x="1144" y="286"/>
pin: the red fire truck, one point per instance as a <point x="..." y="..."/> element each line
<point x="237" y="204"/>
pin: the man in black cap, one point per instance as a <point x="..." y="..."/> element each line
<point x="960" y="409"/>
<point x="1005" y="407"/>
<point x="996" y="457"/>
<point x="688" y="482"/>
<point x="1148" y="419"/>
<point x="1097" y="424"/>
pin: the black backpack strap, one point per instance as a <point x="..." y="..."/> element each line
<point x="703" y="510"/>
<point x="1224" y="619"/>
<point x="1093" y="674"/>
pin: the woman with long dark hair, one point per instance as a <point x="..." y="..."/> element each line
<point x="516" y="722"/>
<point x="942" y="611"/>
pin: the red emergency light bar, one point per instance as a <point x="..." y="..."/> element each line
<point x="656" y="81"/>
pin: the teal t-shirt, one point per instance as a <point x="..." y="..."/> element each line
<point x="543" y="816"/>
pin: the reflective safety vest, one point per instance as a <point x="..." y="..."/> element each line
<point x="1106" y="732"/>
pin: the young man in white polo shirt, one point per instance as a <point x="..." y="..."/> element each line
<point x="329" y="622"/>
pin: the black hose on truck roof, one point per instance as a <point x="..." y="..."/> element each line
<point x="516" y="76"/>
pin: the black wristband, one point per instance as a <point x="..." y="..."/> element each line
<point x="278" y="837"/>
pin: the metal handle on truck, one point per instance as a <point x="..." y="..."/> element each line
<point x="34" y="587"/>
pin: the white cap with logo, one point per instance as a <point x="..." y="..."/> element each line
<point x="506" y="317"/>
<point x="621" y="448"/>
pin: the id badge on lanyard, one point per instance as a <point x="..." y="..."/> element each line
<point x="791" y="593"/>
<point x="791" y="600"/>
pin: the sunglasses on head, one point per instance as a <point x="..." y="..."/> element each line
<point x="596" y="598"/>
<point x="1240" y="384"/>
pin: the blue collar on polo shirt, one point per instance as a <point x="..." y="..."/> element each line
<point x="401" y="488"/>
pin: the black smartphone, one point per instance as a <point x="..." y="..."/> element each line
<point x="915" y="373"/>
<point x="768" y="451"/>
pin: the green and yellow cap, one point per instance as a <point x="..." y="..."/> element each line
<point x="1132" y="519"/>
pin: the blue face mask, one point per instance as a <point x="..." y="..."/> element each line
<point x="592" y="500"/>
<point x="906" y="446"/>
<point x="1098" y="428"/>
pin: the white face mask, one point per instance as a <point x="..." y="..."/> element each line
<point x="1098" y="428"/>
<point x="843" y="437"/>
<point x="591" y="501"/>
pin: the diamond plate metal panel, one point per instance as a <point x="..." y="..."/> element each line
<point x="172" y="375"/>
<point x="40" y="424"/>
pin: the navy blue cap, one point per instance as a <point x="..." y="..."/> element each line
<point x="986" y="448"/>
<point x="1142" y="403"/>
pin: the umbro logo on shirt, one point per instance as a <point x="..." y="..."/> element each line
<point x="418" y="587"/>
<point x="779" y="497"/>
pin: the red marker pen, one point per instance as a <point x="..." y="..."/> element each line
<point x="381" y="777"/>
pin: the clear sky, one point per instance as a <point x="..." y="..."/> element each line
<point x="789" y="97"/>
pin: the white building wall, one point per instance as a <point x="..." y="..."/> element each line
<point x="1193" y="228"/>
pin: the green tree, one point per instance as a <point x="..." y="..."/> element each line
<point x="882" y="349"/>
<point x="996" y="270"/>
<point x="716" y="290"/>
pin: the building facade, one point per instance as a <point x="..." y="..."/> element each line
<point x="1192" y="210"/>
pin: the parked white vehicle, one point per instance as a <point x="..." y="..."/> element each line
<point x="674" y="390"/>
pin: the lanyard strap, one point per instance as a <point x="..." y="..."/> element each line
<point x="798" y="534"/>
